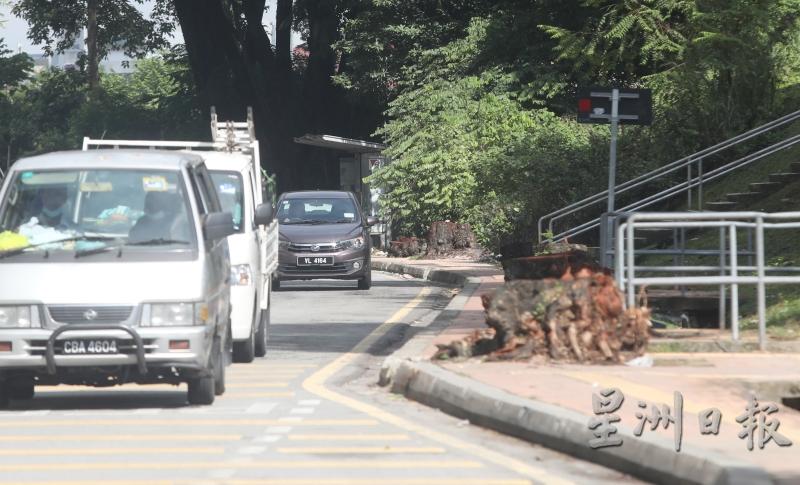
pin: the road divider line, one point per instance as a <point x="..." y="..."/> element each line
<point x="112" y="437"/>
<point x="108" y="451"/>
<point x="186" y="422"/>
<point x="315" y="384"/>
<point x="256" y="394"/>
<point x="255" y="385"/>
<point x="361" y="449"/>
<point x="250" y="465"/>
<point x="348" y="437"/>
<point x="291" y="481"/>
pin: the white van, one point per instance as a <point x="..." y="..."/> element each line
<point x="235" y="167"/>
<point x="114" y="268"/>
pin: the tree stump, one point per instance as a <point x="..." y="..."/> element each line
<point x="405" y="247"/>
<point x="444" y="237"/>
<point x="569" y="319"/>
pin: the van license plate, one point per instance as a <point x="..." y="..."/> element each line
<point x="315" y="261"/>
<point x="74" y="347"/>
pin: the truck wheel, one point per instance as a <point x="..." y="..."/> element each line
<point x="244" y="352"/>
<point x="219" y="373"/>
<point x="22" y="390"/>
<point x="262" y="334"/>
<point x="365" y="283"/>
<point x="3" y="395"/>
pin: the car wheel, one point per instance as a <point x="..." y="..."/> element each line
<point x="365" y="282"/>
<point x="22" y="390"/>
<point x="244" y="352"/>
<point x="201" y="390"/>
<point x="262" y="334"/>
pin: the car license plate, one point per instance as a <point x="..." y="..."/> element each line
<point x="315" y="261"/>
<point x="100" y="346"/>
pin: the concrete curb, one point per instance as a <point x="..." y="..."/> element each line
<point x="424" y="273"/>
<point x="648" y="457"/>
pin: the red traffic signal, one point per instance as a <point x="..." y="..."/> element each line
<point x="584" y="105"/>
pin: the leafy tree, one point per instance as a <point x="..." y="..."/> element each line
<point x="108" y="22"/>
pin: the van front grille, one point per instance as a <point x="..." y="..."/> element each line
<point x="89" y="314"/>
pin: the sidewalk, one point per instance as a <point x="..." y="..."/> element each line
<point x="705" y="380"/>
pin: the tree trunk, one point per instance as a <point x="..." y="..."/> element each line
<point x="91" y="45"/>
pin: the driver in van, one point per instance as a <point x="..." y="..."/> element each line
<point x="156" y="223"/>
<point x="54" y="201"/>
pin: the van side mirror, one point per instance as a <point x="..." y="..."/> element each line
<point x="218" y="225"/>
<point x="264" y="214"/>
<point x="371" y="220"/>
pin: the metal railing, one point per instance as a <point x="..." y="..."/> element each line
<point x="728" y="274"/>
<point x="693" y="186"/>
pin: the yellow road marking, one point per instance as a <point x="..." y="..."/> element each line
<point x="315" y="384"/>
<point x="257" y="394"/>
<point x="361" y="449"/>
<point x="655" y="395"/>
<point x="348" y="437"/>
<point x="294" y="481"/>
<point x="108" y="451"/>
<point x="256" y="385"/>
<point x="185" y="422"/>
<point x="117" y="437"/>
<point x="251" y="465"/>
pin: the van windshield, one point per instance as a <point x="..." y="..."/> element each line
<point x="317" y="211"/>
<point x="85" y="210"/>
<point x="229" y="190"/>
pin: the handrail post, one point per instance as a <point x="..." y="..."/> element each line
<point x="629" y="284"/>
<point x="619" y="258"/>
<point x="762" y="292"/>
<point x="689" y="186"/>
<point x="734" y="286"/>
<point x="722" y="273"/>
<point x="700" y="184"/>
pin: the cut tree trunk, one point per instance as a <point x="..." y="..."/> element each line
<point x="570" y="319"/>
<point x="444" y="237"/>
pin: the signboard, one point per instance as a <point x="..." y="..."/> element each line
<point x="635" y="106"/>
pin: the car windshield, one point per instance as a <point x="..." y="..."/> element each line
<point x="229" y="188"/>
<point x="317" y="211"/>
<point x="87" y="210"/>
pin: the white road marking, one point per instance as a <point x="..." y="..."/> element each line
<point x="261" y="408"/>
<point x="309" y="402"/>
<point x="251" y="450"/>
<point x="148" y="411"/>
<point x="301" y="411"/>
<point x="290" y="419"/>
<point x="269" y="438"/>
<point x="278" y="429"/>
<point x="222" y="474"/>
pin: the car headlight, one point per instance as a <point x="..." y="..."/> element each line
<point x="15" y="316"/>
<point x="283" y="244"/>
<point x="354" y="243"/>
<point x="241" y="275"/>
<point x="174" y="314"/>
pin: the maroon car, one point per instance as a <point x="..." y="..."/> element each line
<point x="323" y="234"/>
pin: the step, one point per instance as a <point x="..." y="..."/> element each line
<point x="783" y="178"/>
<point x="738" y="197"/>
<point x="795" y="167"/>
<point x="764" y="187"/>
<point x="720" y="206"/>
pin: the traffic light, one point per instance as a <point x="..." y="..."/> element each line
<point x="635" y="106"/>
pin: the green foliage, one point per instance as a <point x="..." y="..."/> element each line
<point x="56" y="25"/>
<point x="52" y="110"/>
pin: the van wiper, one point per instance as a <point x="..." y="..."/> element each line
<point x="102" y="249"/>
<point x="157" y="242"/>
<point x="16" y="251"/>
<point x="310" y="221"/>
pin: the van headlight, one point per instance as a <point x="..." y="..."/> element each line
<point x="355" y="243"/>
<point x="174" y="314"/>
<point x="241" y="275"/>
<point x="15" y="316"/>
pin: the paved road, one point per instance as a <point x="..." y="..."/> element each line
<point x="308" y="413"/>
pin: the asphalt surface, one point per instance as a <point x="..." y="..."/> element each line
<point x="308" y="413"/>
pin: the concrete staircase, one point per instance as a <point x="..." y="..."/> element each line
<point x="757" y="190"/>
